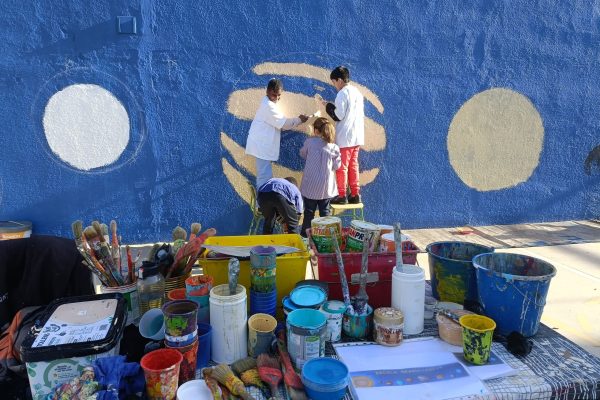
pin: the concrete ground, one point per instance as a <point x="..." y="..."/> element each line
<point x="573" y="302"/>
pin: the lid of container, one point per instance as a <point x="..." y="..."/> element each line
<point x="288" y="304"/>
<point x="329" y="220"/>
<point x="325" y="371"/>
<point x="76" y="327"/>
<point x="314" y="282"/>
<point x="15" y="226"/>
<point x="194" y="390"/>
<point x="388" y="316"/>
<point x="334" y="307"/>
<point x="390" y="237"/>
<point x="308" y="296"/>
<point x="148" y="269"/>
<point x="364" y="225"/>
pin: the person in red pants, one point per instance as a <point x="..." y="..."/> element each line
<point x="348" y="112"/>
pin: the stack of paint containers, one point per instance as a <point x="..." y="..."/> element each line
<point x="197" y="289"/>
<point x="263" y="289"/>
<point x="181" y="334"/>
<point x="309" y="293"/>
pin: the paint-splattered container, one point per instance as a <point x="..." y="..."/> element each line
<point x="512" y="290"/>
<point x="325" y="378"/>
<point x="321" y="233"/>
<point x="130" y="294"/>
<point x="14" y="230"/>
<point x="451" y="270"/>
<point x="228" y="316"/>
<point x="306" y="334"/>
<point x="388" y="325"/>
<point x="356" y="235"/>
<point x="334" y="311"/>
<point x="358" y="326"/>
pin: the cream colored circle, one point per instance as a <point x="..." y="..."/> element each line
<point x="86" y="126"/>
<point x="495" y="140"/>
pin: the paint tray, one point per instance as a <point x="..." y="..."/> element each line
<point x="70" y="335"/>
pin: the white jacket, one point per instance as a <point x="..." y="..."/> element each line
<point x="264" y="136"/>
<point x="349" y="108"/>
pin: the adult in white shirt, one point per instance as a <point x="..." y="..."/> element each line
<point x="348" y="112"/>
<point x="264" y="137"/>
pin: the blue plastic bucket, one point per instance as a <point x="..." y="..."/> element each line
<point x="325" y="378"/>
<point x="512" y="290"/>
<point x="451" y="269"/>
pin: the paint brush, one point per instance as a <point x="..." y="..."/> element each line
<point x="104" y="228"/>
<point x="179" y="233"/>
<point x="102" y="248"/>
<point x="449" y="314"/>
<point x="361" y="298"/>
<point x="343" y="280"/>
<point x="269" y="372"/>
<point x="212" y="383"/>
<point x="130" y="267"/>
<point x="225" y="376"/>
<point x="398" y="244"/>
<point x="115" y="249"/>
<point x="293" y="382"/>
<point x="243" y="364"/>
<point x="199" y="241"/>
<point x="90" y="234"/>
<point x="252" y="378"/>
<point x="234" y="272"/>
<point x="195" y="229"/>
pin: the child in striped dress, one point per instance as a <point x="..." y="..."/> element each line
<point x="322" y="157"/>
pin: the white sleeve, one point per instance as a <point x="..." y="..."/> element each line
<point x="274" y="117"/>
<point x="341" y="105"/>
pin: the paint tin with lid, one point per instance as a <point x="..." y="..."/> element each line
<point x="321" y="233"/>
<point x="356" y="234"/>
<point x="15" y="229"/>
<point x="388" y="326"/>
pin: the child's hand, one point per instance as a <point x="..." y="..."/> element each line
<point x="319" y="99"/>
<point x="303" y="118"/>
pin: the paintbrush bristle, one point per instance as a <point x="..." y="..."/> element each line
<point x="265" y="360"/>
<point x="225" y="376"/>
<point x="90" y="233"/>
<point x="179" y="233"/>
<point x="104" y="228"/>
<point x="77" y="228"/>
<point x="243" y="364"/>
<point x="96" y="225"/>
<point x="113" y="226"/>
<point x="196" y="226"/>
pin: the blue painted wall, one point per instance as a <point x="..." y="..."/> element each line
<point x="423" y="60"/>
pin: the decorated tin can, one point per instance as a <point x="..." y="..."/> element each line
<point x="334" y="311"/>
<point x="388" y="326"/>
<point x="321" y="233"/>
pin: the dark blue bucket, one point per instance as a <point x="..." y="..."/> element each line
<point x="451" y="269"/>
<point x="512" y="290"/>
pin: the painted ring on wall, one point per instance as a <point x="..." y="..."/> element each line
<point x="88" y="120"/>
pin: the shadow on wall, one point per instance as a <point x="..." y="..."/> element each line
<point x="591" y="165"/>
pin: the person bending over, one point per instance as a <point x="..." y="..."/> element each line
<point x="281" y="197"/>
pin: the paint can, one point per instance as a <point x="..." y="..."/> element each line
<point x="512" y="290"/>
<point x="358" y="326"/>
<point x="387" y="243"/>
<point x="181" y="318"/>
<point x="451" y="269"/>
<point x="130" y="294"/>
<point x="383" y="229"/>
<point x="306" y="334"/>
<point x="356" y="235"/>
<point x="334" y="312"/>
<point x="388" y="326"/>
<point x="15" y="229"/>
<point x="321" y="233"/>
<point x="408" y="296"/>
<point x="198" y="285"/>
<point x="261" y="328"/>
<point x="187" y="369"/>
<point x="228" y="315"/>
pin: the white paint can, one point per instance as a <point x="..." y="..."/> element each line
<point x="228" y="316"/>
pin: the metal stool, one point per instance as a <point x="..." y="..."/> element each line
<point x="355" y="211"/>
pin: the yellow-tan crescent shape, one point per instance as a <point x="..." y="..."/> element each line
<point x="239" y="183"/>
<point x="247" y="163"/>
<point x="310" y="71"/>
<point x="243" y="105"/>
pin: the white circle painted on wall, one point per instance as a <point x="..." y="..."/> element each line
<point x="495" y="140"/>
<point x="86" y="126"/>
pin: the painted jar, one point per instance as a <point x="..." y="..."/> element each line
<point x="263" y="269"/>
<point x="388" y="326"/>
<point x="334" y="312"/>
<point x="356" y="235"/>
<point x="321" y="233"/>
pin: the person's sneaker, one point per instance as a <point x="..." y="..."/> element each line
<point x="339" y="200"/>
<point x="354" y="199"/>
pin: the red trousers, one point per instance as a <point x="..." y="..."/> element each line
<point x="347" y="174"/>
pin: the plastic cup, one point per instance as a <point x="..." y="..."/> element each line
<point x="477" y="336"/>
<point x="198" y="285"/>
<point x="187" y="371"/>
<point x="204" y="339"/>
<point x="161" y="370"/>
<point x="261" y="328"/>
<point x="152" y="324"/>
<point x="181" y="317"/>
<point x="203" y="307"/>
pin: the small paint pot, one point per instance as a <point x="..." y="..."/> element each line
<point x="450" y="331"/>
<point x="334" y="312"/>
<point x="261" y="328"/>
<point x="388" y="326"/>
<point x="199" y="285"/>
<point x="358" y="326"/>
<point x="161" y="371"/>
<point x="325" y="378"/>
<point x="181" y="317"/>
<point x="176" y="294"/>
<point x="477" y="336"/>
<point x="263" y="257"/>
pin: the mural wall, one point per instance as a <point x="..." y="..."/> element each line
<point x="478" y="113"/>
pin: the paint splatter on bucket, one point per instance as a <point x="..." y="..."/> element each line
<point x="161" y="370"/>
<point x="356" y="234"/>
<point x="477" y="333"/>
<point x="512" y="290"/>
<point x="452" y="272"/>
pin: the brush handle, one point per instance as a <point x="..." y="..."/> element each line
<point x="340" y="262"/>
<point x="275" y="392"/>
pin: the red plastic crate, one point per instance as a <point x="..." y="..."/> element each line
<point x="379" y="278"/>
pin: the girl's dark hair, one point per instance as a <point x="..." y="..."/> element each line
<point x="325" y="129"/>
<point x="275" y="84"/>
<point x="340" y="72"/>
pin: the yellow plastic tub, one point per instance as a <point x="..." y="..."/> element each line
<point x="291" y="268"/>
